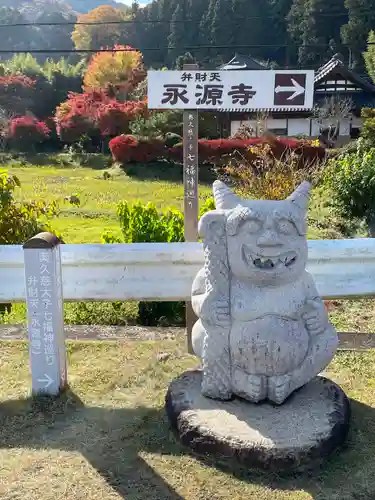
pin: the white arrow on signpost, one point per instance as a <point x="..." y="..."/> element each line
<point x="297" y="89"/>
<point x="47" y="381"/>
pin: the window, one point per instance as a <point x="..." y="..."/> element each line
<point x="279" y="131"/>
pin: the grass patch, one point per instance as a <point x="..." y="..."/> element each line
<point x="346" y="315"/>
<point x="108" y="437"/>
<point x="99" y="197"/>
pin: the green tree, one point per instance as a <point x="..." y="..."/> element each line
<point x="279" y="10"/>
<point x="95" y="36"/>
<point x="251" y="25"/>
<point x="361" y="19"/>
<point x="314" y="27"/>
<point x="136" y="31"/>
<point x="176" y="38"/>
<point x="221" y="33"/>
<point x="186" y="58"/>
<point x="151" y="35"/>
<point x="17" y="37"/>
<point x="205" y="32"/>
<point x="369" y="55"/>
<point x="55" y="37"/>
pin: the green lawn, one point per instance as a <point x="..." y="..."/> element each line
<point x="99" y="197"/>
<point x="109" y="437"/>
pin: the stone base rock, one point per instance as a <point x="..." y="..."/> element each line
<point x="296" y="436"/>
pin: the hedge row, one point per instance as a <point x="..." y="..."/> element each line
<point x="129" y="149"/>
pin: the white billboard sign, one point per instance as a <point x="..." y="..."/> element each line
<point x="232" y="90"/>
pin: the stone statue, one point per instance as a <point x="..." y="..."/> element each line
<point x="263" y="331"/>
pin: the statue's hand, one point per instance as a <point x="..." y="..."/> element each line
<point x="279" y="388"/>
<point x="216" y="310"/>
<point x="315" y="316"/>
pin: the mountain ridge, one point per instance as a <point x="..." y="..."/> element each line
<point x="31" y="9"/>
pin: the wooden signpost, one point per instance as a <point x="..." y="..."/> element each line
<point x="191" y="202"/>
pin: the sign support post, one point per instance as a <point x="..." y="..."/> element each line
<point x="45" y="315"/>
<point x="190" y="180"/>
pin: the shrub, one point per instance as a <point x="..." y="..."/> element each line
<point x="38" y="88"/>
<point x="16" y="93"/>
<point x="266" y="176"/>
<point x="121" y="147"/>
<point x="75" y="117"/>
<point x="351" y="180"/>
<point x="368" y="128"/>
<point x="27" y="131"/>
<point x="20" y="221"/>
<point x="144" y="223"/>
<point x="128" y="149"/>
<point x="101" y="313"/>
<point x="114" y="117"/>
<point x="95" y="113"/>
<point x="218" y="150"/>
<point x="158" y="124"/>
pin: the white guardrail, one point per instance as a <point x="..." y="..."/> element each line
<point x="44" y="273"/>
<point x="165" y="271"/>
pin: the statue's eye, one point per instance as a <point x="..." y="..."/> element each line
<point x="252" y="225"/>
<point x="286" y="226"/>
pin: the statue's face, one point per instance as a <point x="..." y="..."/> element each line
<point x="267" y="242"/>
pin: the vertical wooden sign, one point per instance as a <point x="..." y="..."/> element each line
<point x="190" y="133"/>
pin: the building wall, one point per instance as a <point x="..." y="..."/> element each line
<point x="298" y="126"/>
<point x="292" y="127"/>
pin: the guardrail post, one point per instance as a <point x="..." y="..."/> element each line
<point x="45" y="314"/>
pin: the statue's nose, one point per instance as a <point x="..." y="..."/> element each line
<point x="269" y="239"/>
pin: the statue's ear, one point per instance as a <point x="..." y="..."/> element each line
<point x="224" y="197"/>
<point x="300" y="197"/>
<point x="212" y="222"/>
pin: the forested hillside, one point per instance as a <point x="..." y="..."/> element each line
<point x="289" y="32"/>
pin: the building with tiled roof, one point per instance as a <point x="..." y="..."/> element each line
<point x="334" y="84"/>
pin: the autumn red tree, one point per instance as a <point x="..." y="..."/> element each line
<point x="95" y="113"/>
<point x="119" y="71"/>
<point x="16" y="93"/>
<point x="26" y="131"/>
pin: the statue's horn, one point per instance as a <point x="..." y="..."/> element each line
<point x="300" y="197"/>
<point x="225" y="199"/>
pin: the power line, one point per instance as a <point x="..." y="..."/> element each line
<point x="154" y="21"/>
<point x="165" y="48"/>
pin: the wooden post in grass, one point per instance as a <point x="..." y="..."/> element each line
<point x="190" y="133"/>
<point x="45" y="314"/>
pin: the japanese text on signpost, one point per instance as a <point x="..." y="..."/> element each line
<point x="191" y="175"/>
<point x="240" y="90"/>
<point x="45" y="319"/>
